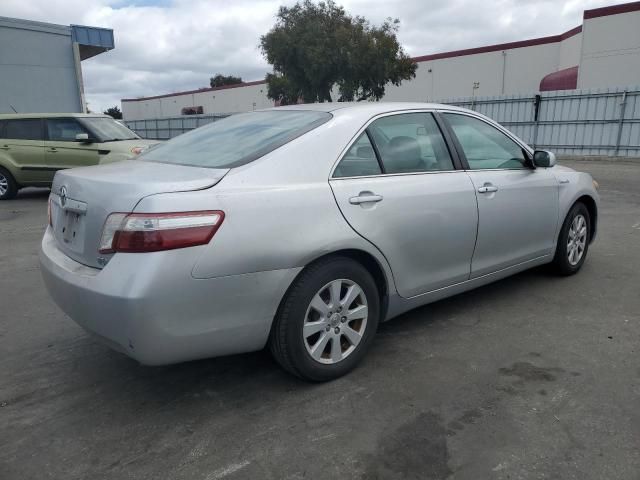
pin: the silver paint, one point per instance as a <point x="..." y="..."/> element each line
<point x="282" y="212"/>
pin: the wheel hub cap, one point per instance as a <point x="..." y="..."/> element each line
<point x="335" y="321"/>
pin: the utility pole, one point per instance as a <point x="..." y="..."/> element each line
<point x="476" y="86"/>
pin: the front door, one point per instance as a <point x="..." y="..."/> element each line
<point x="23" y="145"/>
<point x="517" y="204"/>
<point x="398" y="188"/>
<point x="61" y="148"/>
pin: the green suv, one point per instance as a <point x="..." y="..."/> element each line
<point x="34" y="146"/>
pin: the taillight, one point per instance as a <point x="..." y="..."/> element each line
<point x="152" y="232"/>
<point x="49" y="218"/>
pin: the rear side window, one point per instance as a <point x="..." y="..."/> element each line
<point x="360" y="160"/>
<point x="410" y="142"/>
<point x="236" y="140"/>
<point x="25" y="129"/>
<point x="64" y="129"/>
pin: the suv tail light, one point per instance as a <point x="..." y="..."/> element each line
<point x="152" y="232"/>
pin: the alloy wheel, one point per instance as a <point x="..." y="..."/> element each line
<point x="576" y="240"/>
<point x="4" y="184"/>
<point x="335" y="321"/>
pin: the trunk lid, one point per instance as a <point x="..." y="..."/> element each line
<point x="82" y="198"/>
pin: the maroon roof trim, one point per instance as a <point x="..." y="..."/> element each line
<point x="502" y="46"/>
<point x="200" y="90"/>
<point x="566" y="79"/>
<point x="612" y="10"/>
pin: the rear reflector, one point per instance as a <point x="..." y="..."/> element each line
<point x="152" y="232"/>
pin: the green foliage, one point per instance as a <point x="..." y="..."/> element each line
<point x="220" y="80"/>
<point x="114" y="112"/>
<point x="313" y="47"/>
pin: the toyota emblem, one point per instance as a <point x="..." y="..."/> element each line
<point x="63" y="195"/>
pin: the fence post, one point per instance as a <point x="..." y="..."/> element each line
<point x="537" y="100"/>
<point x="623" y="104"/>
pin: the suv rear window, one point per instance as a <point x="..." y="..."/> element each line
<point x="25" y="129"/>
<point x="236" y="140"/>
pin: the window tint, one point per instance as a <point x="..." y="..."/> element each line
<point x="3" y="126"/>
<point x="236" y="140"/>
<point x="410" y="142"/>
<point x="64" y="129"/>
<point x="484" y="145"/>
<point x="360" y="160"/>
<point x="26" y="129"/>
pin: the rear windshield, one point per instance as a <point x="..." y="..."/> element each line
<point x="236" y="140"/>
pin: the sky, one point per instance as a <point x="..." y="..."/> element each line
<point x="165" y="46"/>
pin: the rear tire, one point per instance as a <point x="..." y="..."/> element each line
<point x="8" y="185"/>
<point x="573" y="241"/>
<point x="318" y="338"/>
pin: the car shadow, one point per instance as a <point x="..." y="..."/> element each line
<point x="256" y="373"/>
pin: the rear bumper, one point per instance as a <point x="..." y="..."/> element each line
<point x="150" y="307"/>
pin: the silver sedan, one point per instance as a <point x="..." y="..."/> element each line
<point x="302" y="228"/>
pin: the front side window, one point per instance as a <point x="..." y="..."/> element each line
<point x="25" y="129"/>
<point x="64" y="129"/>
<point x="410" y="142"/>
<point x="360" y="160"/>
<point x="485" y="146"/>
<point x="236" y="140"/>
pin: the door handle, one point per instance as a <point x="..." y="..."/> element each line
<point x="564" y="180"/>
<point x="488" y="188"/>
<point x="52" y="150"/>
<point x="365" y="197"/>
<point x="4" y="147"/>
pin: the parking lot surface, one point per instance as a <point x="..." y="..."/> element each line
<point x="533" y="377"/>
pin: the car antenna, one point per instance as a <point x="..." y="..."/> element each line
<point x="15" y="111"/>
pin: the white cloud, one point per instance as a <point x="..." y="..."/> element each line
<point x="165" y="46"/>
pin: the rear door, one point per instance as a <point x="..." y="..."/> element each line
<point x="517" y="204"/>
<point x="23" y="144"/>
<point x="61" y="148"/>
<point x="397" y="186"/>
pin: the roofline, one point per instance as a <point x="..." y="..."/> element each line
<point x="502" y="46"/>
<point x="611" y="10"/>
<point x="199" y="90"/>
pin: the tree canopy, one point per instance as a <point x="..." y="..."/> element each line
<point x="220" y="80"/>
<point x="314" y="47"/>
<point x="114" y="112"/>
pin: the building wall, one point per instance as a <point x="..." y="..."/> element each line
<point x="605" y="48"/>
<point x="610" y="51"/>
<point x="569" y="51"/>
<point x="228" y="100"/>
<point x="38" y="72"/>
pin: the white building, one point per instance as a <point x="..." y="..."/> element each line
<point x="40" y="64"/>
<point x="602" y="52"/>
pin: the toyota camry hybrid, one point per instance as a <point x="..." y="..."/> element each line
<point x="302" y="228"/>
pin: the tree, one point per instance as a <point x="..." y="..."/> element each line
<point x="220" y="80"/>
<point x="114" y="112"/>
<point x="313" y="47"/>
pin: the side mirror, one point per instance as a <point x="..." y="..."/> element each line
<point x="82" y="137"/>
<point x="544" y="158"/>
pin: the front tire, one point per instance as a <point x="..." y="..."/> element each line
<point x="327" y="320"/>
<point x="573" y="241"/>
<point x="8" y="185"/>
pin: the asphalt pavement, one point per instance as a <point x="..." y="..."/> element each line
<point x="532" y="377"/>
